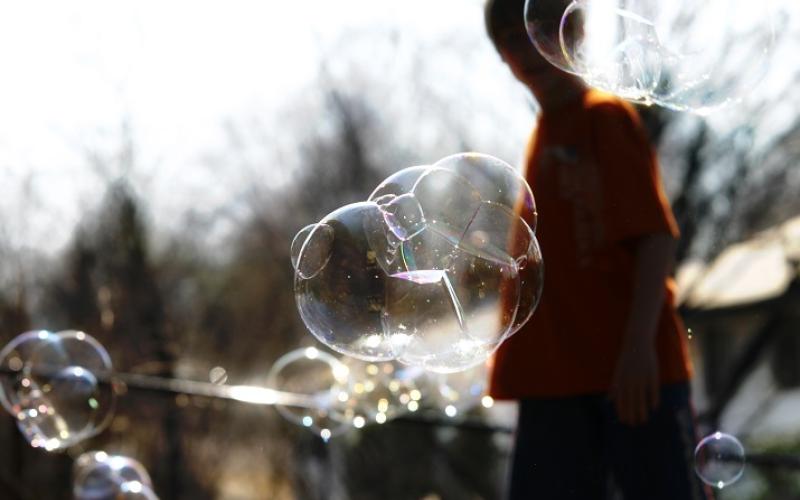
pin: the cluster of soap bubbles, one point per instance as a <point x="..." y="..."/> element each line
<point x="693" y="55"/>
<point x="719" y="460"/>
<point x="378" y="392"/>
<point x="349" y="393"/>
<point x="100" y="476"/>
<point x="435" y="270"/>
<point x="56" y="386"/>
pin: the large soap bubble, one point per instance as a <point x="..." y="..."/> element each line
<point x="719" y="460"/>
<point x="437" y="268"/>
<point x="684" y="54"/>
<point x="57" y="387"/>
<point x="100" y="476"/>
<point x="320" y="376"/>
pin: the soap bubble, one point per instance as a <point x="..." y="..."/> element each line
<point x="495" y="181"/>
<point x="377" y="392"/>
<point x="318" y="375"/>
<point x="684" y="55"/>
<point x="50" y="385"/>
<point x="134" y="490"/>
<point x="438" y="268"/>
<point x="719" y="460"/>
<point x="543" y="21"/>
<point x="218" y="375"/>
<point x="399" y="183"/>
<point x="100" y="476"/>
<point x="298" y="241"/>
<point x="313" y="244"/>
<point x="462" y="390"/>
<point x="342" y="303"/>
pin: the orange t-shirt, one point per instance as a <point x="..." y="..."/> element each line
<point x="597" y="187"/>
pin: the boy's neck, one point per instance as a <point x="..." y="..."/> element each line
<point x="558" y="97"/>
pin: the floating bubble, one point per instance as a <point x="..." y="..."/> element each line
<point x="399" y="183"/>
<point x="449" y="202"/>
<point x="462" y="390"/>
<point x="51" y="387"/>
<point x="450" y="315"/>
<point x="316" y="374"/>
<point x="343" y="304"/>
<point x="298" y="242"/>
<point x="438" y="268"/>
<point x="495" y="181"/>
<point x="315" y="250"/>
<point x="403" y="215"/>
<point x="719" y="460"/>
<point x="530" y="268"/>
<point x="685" y="55"/>
<point x="543" y="21"/>
<point x="99" y="476"/>
<point x="134" y="490"/>
<point x="376" y="392"/>
<point x="218" y="375"/>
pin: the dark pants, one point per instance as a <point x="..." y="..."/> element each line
<point x="575" y="448"/>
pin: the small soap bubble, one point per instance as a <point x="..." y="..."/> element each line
<point x="298" y="242"/>
<point x="554" y="34"/>
<point x="218" y="375"/>
<point x="325" y="434"/>
<point x="134" y="490"/>
<point x="435" y="271"/>
<point x="52" y="387"/>
<point x="316" y="374"/>
<point x="315" y="250"/>
<point x="98" y="475"/>
<point x="719" y="460"/>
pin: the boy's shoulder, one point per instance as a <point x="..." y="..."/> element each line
<point x="610" y="110"/>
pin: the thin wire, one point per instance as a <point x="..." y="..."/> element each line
<point x="270" y="397"/>
<point x="243" y="393"/>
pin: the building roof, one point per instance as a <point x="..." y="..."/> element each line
<point x="750" y="271"/>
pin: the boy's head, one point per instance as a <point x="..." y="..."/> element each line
<point x="505" y="24"/>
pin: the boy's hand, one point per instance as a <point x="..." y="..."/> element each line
<point x="635" y="389"/>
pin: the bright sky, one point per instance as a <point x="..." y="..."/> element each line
<point x="176" y="70"/>
<point x="73" y="71"/>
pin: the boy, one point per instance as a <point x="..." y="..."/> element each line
<point x="601" y="370"/>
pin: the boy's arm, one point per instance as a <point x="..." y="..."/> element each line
<point x="635" y="387"/>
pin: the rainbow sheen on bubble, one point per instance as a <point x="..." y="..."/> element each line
<point x="57" y="387"/>
<point x="719" y="460"/>
<point x="435" y="270"/>
<point x="687" y="55"/>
